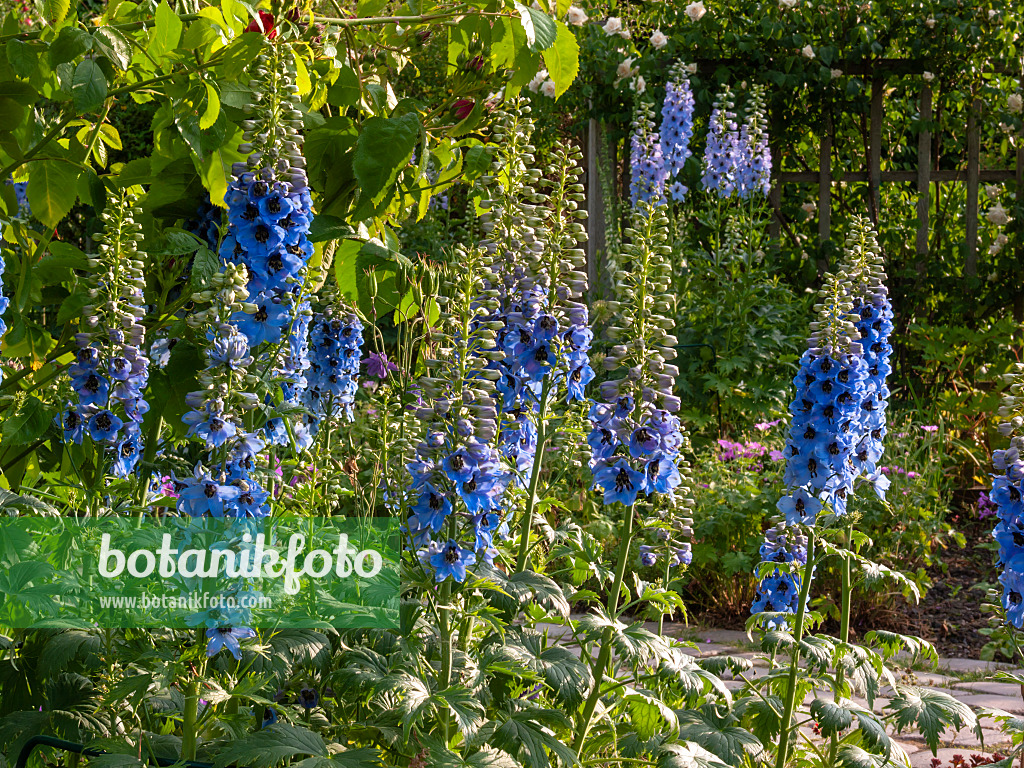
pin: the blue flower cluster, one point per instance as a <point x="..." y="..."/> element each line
<point x="1008" y="496"/>
<point x="634" y="450"/>
<point x="336" y="342"/>
<point x="753" y="156"/>
<point x="779" y="592"/>
<point x="873" y="320"/>
<point x="721" y="149"/>
<point x="647" y="170"/>
<point x="111" y="369"/>
<point x="456" y="465"/>
<point x="677" y="129"/>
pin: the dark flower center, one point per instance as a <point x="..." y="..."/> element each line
<point x="457" y="463"/>
<point x="103" y="421"/>
<point x="261" y="234"/>
<point x="210" y="490"/>
<point x="92" y="384"/>
<point x="622" y="480"/>
<point x="274" y="205"/>
<point x="261" y="315"/>
<point x="451" y="554"/>
<point x="259" y="188"/>
<point x="251" y="212"/>
<point x="275" y="263"/>
<point x="434" y="502"/>
<point x="470" y="485"/>
<point x="541" y="355"/>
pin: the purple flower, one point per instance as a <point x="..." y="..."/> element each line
<point x="379" y="365"/>
<point x="930" y="428"/>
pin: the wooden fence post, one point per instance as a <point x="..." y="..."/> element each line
<point x="973" y="174"/>
<point x="924" y="166"/>
<point x="875" y="149"/>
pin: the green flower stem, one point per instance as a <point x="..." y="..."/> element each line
<point x="794" y="661"/>
<point x="844" y="627"/>
<point x="526" y="523"/>
<point x="189" y="729"/>
<point x="444" y="627"/>
<point x="605" y="654"/>
<point x="661" y="614"/>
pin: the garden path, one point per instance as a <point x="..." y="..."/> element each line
<point x="964" y="679"/>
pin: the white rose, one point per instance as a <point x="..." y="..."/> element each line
<point x="612" y="26"/>
<point x="624" y="69"/>
<point x="997" y="215"/>
<point x="658" y="39"/>
<point x="538" y="79"/>
<point x="787" y="3"/>
<point x="992" y="14"/>
<point x="638" y="84"/>
<point x="930" y="23"/>
<point x="1002" y="239"/>
<point x="576" y="16"/>
<point x="808" y="52"/>
<point x="625" y="34"/>
<point x="809" y="208"/>
<point x="1014" y="102"/>
<point x="992" y="191"/>
<point x="837" y="73"/>
<point x="548" y="89"/>
<point x="696" y="10"/>
<point x="928" y="77"/>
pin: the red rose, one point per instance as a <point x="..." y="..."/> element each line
<point x="463" y="108"/>
<point x="267" y="21"/>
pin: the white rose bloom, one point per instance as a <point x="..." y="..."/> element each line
<point x="638" y="84"/>
<point x="612" y="26"/>
<point x="624" y="69"/>
<point x="696" y="11"/>
<point x="928" y="77"/>
<point x="658" y="39"/>
<point x="787" y="3"/>
<point x="690" y="69"/>
<point x="625" y="34"/>
<point x="1002" y="239"/>
<point x="808" y="52"/>
<point x="548" y="89"/>
<point x="930" y="23"/>
<point x="992" y="191"/>
<point x="992" y="14"/>
<point x="809" y="208"/>
<point x="538" y="79"/>
<point x="576" y="16"/>
<point x="1014" y="102"/>
<point x="997" y="215"/>
<point x="837" y="73"/>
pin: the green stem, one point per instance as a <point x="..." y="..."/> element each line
<point x="844" y="628"/>
<point x="444" y="626"/>
<point x="605" y="654"/>
<point x="794" y="662"/>
<point x="189" y="730"/>
<point x="531" y="494"/>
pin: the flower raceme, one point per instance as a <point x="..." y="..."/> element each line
<point x="676" y="128"/>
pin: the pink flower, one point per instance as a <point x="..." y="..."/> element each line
<point x="930" y="428"/>
<point x="776" y="455"/>
<point x="764" y="426"/>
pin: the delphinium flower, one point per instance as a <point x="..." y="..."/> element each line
<point x="779" y="590"/>
<point x="1007" y="496"/>
<point x="872" y="315"/>
<point x="269" y="214"/>
<point x="224" y="486"/>
<point x="822" y="459"/>
<point x="335" y="352"/>
<point x="636" y="440"/>
<point x="206" y="223"/>
<point x="532" y="227"/>
<point x="647" y="169"/>
<point x="722" y="148"/>
<point x="753" y="156"/>
<point x="676" y="128"/>
<point x="111" y="370"/>
<point x="457" y="479"/>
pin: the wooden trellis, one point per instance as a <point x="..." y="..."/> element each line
<point x="924" y="175"/>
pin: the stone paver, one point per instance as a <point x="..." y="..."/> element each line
<point x="1012" y="690"/>
<point x="971" y="665"/>
<point x="991" y="701"/>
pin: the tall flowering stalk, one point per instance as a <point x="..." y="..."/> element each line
<point x="111" y="370"/>
<point x="636" y="439"/>
<point x="754" y="159"/>
<point x="835" y="436"/>
<point x="676" y="128"/>
<point x="721" y="149"/>
<point x="1007" y="496"/>
<point x="533" y="229"/>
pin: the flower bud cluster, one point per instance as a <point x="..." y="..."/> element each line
<point x="737" y="159"/>
<point x="753" y="157"/>
<point x="111" y="370"/>
<point x="677" y="127"/>
<point x="336" y="343"/>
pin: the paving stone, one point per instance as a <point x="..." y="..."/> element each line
<point x="971" y="665"/>
<point x="929" y="679"/>
<point x="991" y="701"/>
<point x="1012" y="690"/>
<point x="968" y="739"/>
<point x="907" y="746"/>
